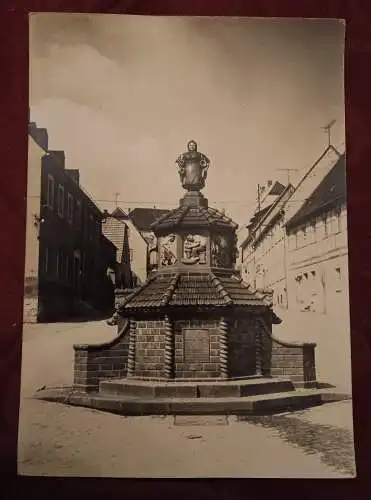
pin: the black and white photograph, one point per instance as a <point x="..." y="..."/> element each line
<point x="186" y="292"/>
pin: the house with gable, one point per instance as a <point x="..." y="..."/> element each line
<point x="263" y="248"/>
<point x="316" y="227"/>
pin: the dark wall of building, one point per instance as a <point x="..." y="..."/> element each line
<point x="72" y="267"/>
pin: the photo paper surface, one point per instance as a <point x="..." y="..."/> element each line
<point x="186" y="303"/>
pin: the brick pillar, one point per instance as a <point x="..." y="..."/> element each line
<point x="169" y="349"/>
<point x="131" y="354"/>
<point x="223" y="348"/>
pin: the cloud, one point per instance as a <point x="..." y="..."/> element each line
<point x="123" y="94"/>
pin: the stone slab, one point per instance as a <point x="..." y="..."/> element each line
<point x="214" y="389"/>
<point x="251" y="405"/>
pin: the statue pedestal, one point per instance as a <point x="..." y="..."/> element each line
<point x="193" y="198"/>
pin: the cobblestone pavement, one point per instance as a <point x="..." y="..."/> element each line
<point x="332" y="440"/>
<point x="57" y="440"/>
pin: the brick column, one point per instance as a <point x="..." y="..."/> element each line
<point x="223" y="348"/>
<point x="169" y="350"/>
<point x="131" y="354"/>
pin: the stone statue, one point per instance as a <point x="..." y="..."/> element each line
<point x="192" y="168"/>
<point x="219" y="251"/>
<point x="168" y="251"/>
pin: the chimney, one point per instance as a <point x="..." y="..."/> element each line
<point x="270" y="183"/>
<point x="59" y="156"/>
<point x="74" y="174"/>
<point x="39" y="135"/>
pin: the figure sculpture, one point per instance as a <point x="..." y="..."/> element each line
<point x="167" y="253"/>
<point x="194" y="250"/>
<point x="192" y="168"/>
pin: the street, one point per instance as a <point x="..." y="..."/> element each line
<point x="57" y="440"/>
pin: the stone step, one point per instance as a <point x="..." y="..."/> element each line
<point x="179" y="389"/>
<point x="248" y="405"/>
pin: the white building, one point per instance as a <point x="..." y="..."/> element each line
<point x="263" y="250"/>
<point x="317" y="257"/>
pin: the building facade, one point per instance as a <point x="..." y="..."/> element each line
<point x="263" y="250"/>
<point x="66" y="267"/>
<point x="131" y="249"/>
<point x="142" y="219"/>
<point x="317" y="254"/>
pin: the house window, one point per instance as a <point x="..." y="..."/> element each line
<point x="338" y="286"/>
<point x="58" y="264"/>
<point x="50" y="193"/>
<point x="314" y="233"/>
<point x="304" y="235"/>
<point x="67" y="269"/>
<point x="336" y="221"/>
<point x="325" y="226"/>
<point x="78" y="213"/>
<point x="69" y="208"/>
<point x="60" y="200"/>
<point x="91" y="227"/>
<point x="46" y="260"/>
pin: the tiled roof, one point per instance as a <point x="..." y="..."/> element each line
<point x="277" y="189"/>
<point x="114" y="230"/>
<point x="191" y="216"/>
<point x="258" y="216"/>
<point x="118" y="213"/>
<point x="197" y="289"/>
<point x="142" y="218"/>
<point x="330" y="191"/>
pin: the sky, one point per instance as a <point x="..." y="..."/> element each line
<point x="122" y="96"/>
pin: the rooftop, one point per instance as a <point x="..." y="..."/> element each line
<point x="330" y="191"/>
<point x="114" y="230"/>
<point x="143" y="218"/>
<point x="193" y="216"/>
<point x="193" y="289"/>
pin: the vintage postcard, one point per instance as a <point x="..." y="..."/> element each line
<point x="186" y="308"/>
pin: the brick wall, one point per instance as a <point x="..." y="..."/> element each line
<point x="203" y="367"/>
<point x="94" y="363"/>
<point x="266" y="347"/>
<point x="241" y="347"/>
<point x="150" y="348"/>
<point x="294" y="361"/>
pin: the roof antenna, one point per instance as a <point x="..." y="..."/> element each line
<point x="116" y="195"/>
<point x="327" y="128"/>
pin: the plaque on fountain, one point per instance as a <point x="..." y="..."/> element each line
<point x="196" y="346"/>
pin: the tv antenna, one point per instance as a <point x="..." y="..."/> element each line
<point x="116" y="196"/>
<point x="327" y="128"/>
<point x="288" y="172"/>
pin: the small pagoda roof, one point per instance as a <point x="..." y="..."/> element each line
<point x="193" y="216"/>
<point x="193" y="290"/>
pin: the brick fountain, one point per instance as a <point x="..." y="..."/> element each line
<point x="194" y="338"/>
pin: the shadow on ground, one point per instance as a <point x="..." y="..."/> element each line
<point x="334" y="445"/>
